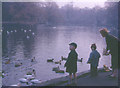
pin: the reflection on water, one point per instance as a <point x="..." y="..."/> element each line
<point x="53" y="42"/>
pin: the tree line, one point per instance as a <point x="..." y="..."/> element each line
<point x="50" y="13"/>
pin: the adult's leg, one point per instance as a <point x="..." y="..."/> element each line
<point x="114" y="61"/>
<point x="115" y="73"/>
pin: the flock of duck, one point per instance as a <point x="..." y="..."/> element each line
<point x="57" y="69"/>
<point x="22" y="30"/>
<point x="29" y="78"/>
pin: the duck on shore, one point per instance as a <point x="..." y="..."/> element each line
<point x="58" y="62"/>
<point x="106" y="68"/>
<point x="50" y="60"/>
<point x="35" y="81"/>
<point x="17" y="85"/>
<point x="80" y="60"/>
<point x="60" y="71"/>
<point x="56" y="68"/>
<point x="29" y="77"/>
<point x="23" y="80"/>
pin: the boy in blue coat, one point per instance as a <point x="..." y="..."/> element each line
<point x="93" y="60"/>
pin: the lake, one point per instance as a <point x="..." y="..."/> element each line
<point x="53" y="42"/>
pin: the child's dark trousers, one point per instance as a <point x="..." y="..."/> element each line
<point x="93" y="71"/>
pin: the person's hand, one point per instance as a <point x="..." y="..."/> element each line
<point x="106" y="53"/>
<point x="88" y="62"/>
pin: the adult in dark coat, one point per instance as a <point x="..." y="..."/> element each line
<point x="113" y="45"/>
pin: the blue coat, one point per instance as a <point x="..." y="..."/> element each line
<point x="94" y="58"/>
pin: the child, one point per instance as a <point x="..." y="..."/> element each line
<point x="94" y="60"/>
<point x="71" y="63"/>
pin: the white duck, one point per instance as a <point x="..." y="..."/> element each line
<point x="35" y="81"/>
<point x="33" y="33"/>
<point x="17" y="85"/>
<point x="28" y="37"/>
<point x="15" y="30"/>
<point x="8" y="32"/>
<point x="25" y="31"/>
<point x="23" y="80"/>
<point x="30" y="30"/>
<point x="11" y="31"/>
<point x="29" y="77"/>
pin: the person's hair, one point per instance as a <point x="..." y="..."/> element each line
<point x="94" y="46"/>
<point x="104" y="31"/>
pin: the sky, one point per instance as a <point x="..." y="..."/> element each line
<point x="76" y="3"/>
<point x="82" y="3"/>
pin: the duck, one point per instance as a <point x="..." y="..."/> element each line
<point x="3" y="75"/>
<point x="60" y="71"/>
<point x="54" y="27"/>
<point x="33" y="72"/>
<point x="11" y="31"/>
<point x="35" y="81"/>
<point x="80" y="60"/>
<point x="58" y="62"/>
<point x="30" y="30"/>
<point x="15" y="30"/>
<point x="25" y="31"/>
<point x="8" y="32"/>
<point x="18" y="64"/>
<point x="33" y="59"/>
<point x="62" y="58"/>
<point x="33" y="33"/>
<point x="23" y="80"/>
<point x="50" y="60"/>
<point x="29" y="77"/>
<point x="7" y="62"/>
<point x="28" y="37"/>
<point x="56" y="68"/>
<point x="106" y="68"/>
<point x="17" y="85"/>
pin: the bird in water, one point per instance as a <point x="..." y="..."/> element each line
<point x="80" y="60"/>
<point x="58" y="62"/>
<point x="50" y="60"/>
<point x="33" y="59"/>
<point x="56" y="68"/>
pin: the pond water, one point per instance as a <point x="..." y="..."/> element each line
<point x="53" y="42"/>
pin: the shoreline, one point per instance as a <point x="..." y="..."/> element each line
<point x="61" y="80"/>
